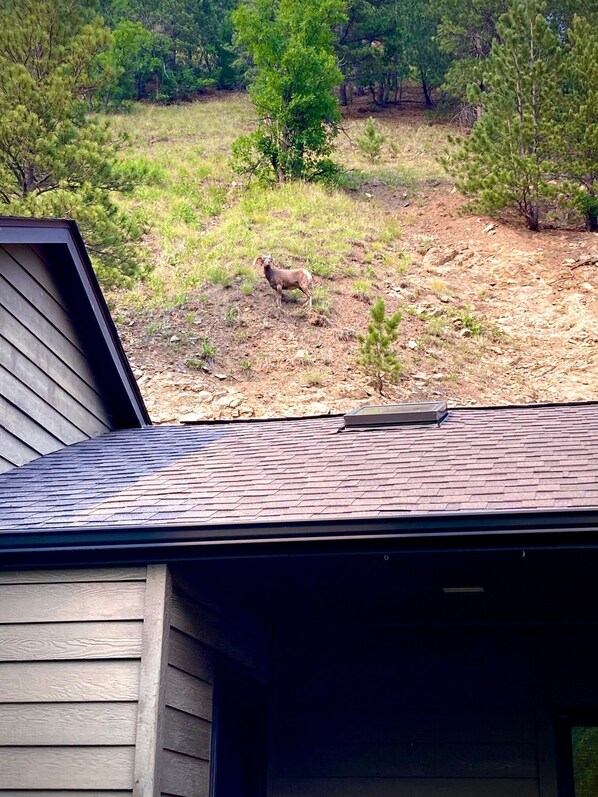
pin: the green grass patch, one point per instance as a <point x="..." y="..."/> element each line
<point x="207" y="227"/>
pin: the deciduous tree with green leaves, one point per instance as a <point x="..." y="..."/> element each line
<point x="376" y="350"/>
<point x="508" y="161"/>
<point x="54" y="159"/>
<point x="294" y="72"/>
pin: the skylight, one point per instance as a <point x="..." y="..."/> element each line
<point x="396" y="415"/>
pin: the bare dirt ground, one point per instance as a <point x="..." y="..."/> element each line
<point x="492" y="314"/>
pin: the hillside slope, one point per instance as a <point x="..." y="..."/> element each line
<point x="492" y="313"/>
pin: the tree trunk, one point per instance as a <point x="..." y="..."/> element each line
<point x="343" y="93"/>
<point x="592" y="216"/>
<point x="426" y="90"/>
<point x="532" y="217"/>
<point x="380" y="94"/>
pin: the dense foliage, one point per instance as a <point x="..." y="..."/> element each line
<point x="535" y="146"/>
<point x="290" y="43"/>
<point x="169" y="50"/>
<point x="54" y="159"/>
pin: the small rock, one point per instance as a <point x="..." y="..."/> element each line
<point x="194" y="417"/>
<point x="174" y="339"/>
<point x="318" y="408"/>
<point x="489" y="228"/>
<point x="445" y="299"/>
<point x="219" y="376"/>
<point x="465" y="333"/>
<point x="412" y="344"/>
<point x="204" y="395"/>
<point x="138" y="373"/>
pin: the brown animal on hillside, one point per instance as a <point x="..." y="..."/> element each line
<point x="284" y="279"/>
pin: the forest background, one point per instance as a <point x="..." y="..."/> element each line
<point x="187" y="137"/>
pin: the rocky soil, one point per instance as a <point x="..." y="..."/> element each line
<point x="492" y="314"/>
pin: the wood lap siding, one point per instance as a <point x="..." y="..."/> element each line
<point x="188" y="705"/>
<point x="48" y="395"/>
<point x="70" y="650"/>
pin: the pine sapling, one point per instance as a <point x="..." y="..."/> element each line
<point x="376" y="349"/>
<point x="370" y="143"/>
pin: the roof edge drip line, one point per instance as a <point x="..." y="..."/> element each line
<point x="512" y="529"/>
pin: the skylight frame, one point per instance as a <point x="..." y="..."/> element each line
<point x="377" y="416"/>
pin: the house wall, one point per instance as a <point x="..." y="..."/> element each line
<point x="70" y="653"/>
<point x="48" y="394"/>
<point x="200" y="633"/>
<point x="431" y="713"/>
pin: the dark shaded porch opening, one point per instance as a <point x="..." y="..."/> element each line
<point x="382" y="684"/>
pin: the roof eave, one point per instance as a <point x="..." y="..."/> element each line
<point x="466" y="530"/>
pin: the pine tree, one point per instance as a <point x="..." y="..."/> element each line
<point x="54" y="159"/>
<point x="294" y="73"/>
<point x="579" y="137"/>
<point x="376" y="353"/>
<point x="370" y="143"/>
<point x="507" y="162"/>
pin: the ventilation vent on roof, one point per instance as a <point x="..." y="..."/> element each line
<point x="396" y="415"/>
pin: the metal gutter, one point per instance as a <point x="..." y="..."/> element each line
<point x="470" y="531"/>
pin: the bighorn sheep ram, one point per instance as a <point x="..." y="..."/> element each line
<point x="284" y="279"/>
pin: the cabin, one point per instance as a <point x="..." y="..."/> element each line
<point x="400" y="602"/>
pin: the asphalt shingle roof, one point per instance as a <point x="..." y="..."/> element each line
<point x="521" y="458"/>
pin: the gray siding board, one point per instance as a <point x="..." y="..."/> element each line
<point x="15" y="451"/>
<point x="27" y="431"/>
<point x="42" y="329"/>
<point x="225" y="632"/>
<point x="187" y="654"/>
<point x="67" y="724"/>
<point x="73" y="640"/>
<point x="33" y="263"/>
<point x="72" y="576"/>
<point x="77" y="380"/>
<point x="66" y="767"/>
<point x="184" y="776"/>
<point x="70" y="650"/>
<point x="188" y="702"/>
<point x="189" y="694"/>
<point x="50" y="397"/>
<point x="37" y="603"/>
<point x="38" y="410"/>
<point x="184" y="733"/>
<point x="5" y="465"/>
<point x="68" y="681"/>
<point x="62" y="793"/>
<point x="51" y="392"/>
<point x="37" y="295"/>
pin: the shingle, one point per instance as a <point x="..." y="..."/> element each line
<point x="479" y="459"/>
